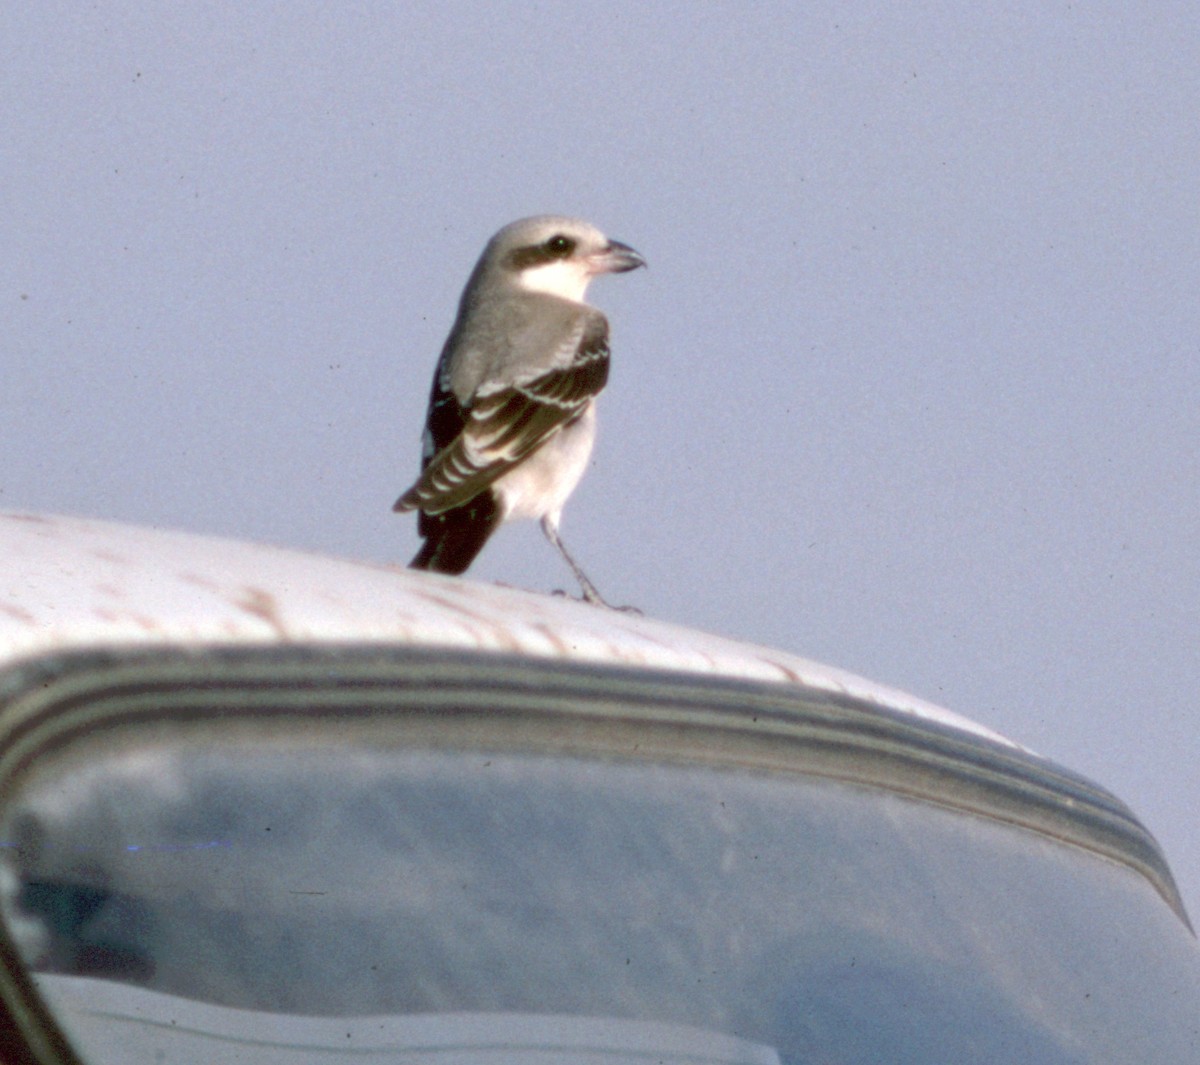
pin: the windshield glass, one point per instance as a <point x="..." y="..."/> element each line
<point x="788" y="915"/>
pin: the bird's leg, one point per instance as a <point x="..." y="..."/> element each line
<point x="589" y="589"/>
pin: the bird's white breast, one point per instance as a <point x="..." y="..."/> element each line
<point x="542" y="483"/>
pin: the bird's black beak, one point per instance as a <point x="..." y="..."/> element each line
<point x="617" y="258"/>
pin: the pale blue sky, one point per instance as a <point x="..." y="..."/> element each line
<point x="910" y="385"/>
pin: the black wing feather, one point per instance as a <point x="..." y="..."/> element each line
<point x="504" y="426"/>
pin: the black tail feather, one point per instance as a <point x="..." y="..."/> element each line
<point x="453" y="539"/>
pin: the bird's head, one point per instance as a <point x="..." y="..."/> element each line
<point x="558" y="256"/>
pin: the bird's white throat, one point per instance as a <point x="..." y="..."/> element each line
<point x="566" y="278"/>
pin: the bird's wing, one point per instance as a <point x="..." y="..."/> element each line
<point x="507" y="422"/>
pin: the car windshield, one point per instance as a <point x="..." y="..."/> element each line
<point x="814" y="918"/>
<point x="338" y="890"/>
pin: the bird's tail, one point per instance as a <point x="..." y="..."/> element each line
<point x="455" y="537"/>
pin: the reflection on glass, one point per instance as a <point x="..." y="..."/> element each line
<point x="366" y="900"/>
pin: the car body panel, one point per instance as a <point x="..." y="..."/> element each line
<point x="79" y="583"/>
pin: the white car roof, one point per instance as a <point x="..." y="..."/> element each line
<point x="70" y="583"/>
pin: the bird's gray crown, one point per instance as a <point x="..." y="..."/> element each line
<point x="542" y="239"/>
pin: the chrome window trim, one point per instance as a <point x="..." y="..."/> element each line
<point x="518" y="703"/>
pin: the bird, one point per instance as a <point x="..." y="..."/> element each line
<point x="512" y="418"/>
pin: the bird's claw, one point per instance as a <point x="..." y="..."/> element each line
<point x="595" y="600"/>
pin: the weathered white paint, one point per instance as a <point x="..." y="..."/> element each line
<point x="73" y="583"/>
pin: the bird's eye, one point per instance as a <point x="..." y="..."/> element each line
<point x="560" y="246"/>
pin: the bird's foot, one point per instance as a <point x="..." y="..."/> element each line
<point x="595" y="600"/>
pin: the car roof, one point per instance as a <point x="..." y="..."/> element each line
<point x="71" y="583"/>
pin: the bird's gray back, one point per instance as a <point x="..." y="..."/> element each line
<point x="513" y="339"/>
